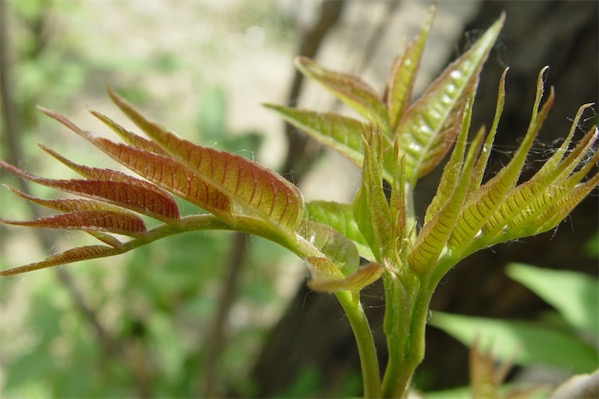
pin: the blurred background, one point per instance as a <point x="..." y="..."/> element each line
<point x="215" y="314"/>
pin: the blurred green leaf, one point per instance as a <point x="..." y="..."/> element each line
<point x="307" y="383"/>
<point x="454" y="393"/>
<point x="592" y="246"/>
<point x="521" y="342"/>
<point x="29" y="369"/>
<point x="212" y="114"/>
<point x="170" y="352"/>
<point x="574" y="294"/>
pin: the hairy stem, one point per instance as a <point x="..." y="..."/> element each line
<point x="371" y="376"/>
<point x="406" y="315"/>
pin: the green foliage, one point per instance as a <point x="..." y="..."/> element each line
<point x="569" y="332"/>
<point x="527" y="344"/>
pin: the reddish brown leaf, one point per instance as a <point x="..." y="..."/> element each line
<point x="169" y="174"/>
<point x="126" y="194"/>
<point x="253" y="187"/>
<point x="109" y="221"/>
<point x="170" y="210"/>
<point x="105" y="238"/>
<point x="69" y="204"/>
<point x="69" y="256"/>
<point x="159" y="169"/>
<point x="129" y="137"/>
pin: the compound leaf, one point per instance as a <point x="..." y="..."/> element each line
<point x="483" y="202"/>
<point x="129" y="194"/>
<point x="254" y="188"/>
<point x="160" y="169"/>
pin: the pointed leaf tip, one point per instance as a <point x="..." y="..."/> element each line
<point x="364" y="276"/>
<point x="69" y="256"/>
<point x="253" y="187"/>
<point x="403" y="73"/>
<point x="349" y="89"/>
<point x="95" y="220"/>
<point x="339" y="133"/>
<point x="429" y="127"/>
<point x="113" y="187"/>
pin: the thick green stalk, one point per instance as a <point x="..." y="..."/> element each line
<point x="405" y="325"/>
<point x="371" y="376"/>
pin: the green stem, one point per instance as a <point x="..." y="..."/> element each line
<point x="371" y="376"/>
<point x="405" y="327"/>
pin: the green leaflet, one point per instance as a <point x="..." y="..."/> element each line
<point x="348" y="88"/>
<point x="364" y="276"/>
<point x="400" y="227"/>
<point x="340" y="217"/>
<point x="340" y="133"/>
<point x="371" y="210"/>
<point x="403" y="74"/>
<point x="430" y="125"/>
<point x="335" y="246"/>
<point x="338" y="268"/>
<point x="531" y="204"/>
<point x="481" y="164"/>
<point x="562" y="207"/>
<point x="483" y="202"/>
<point x="435" y="233"/>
